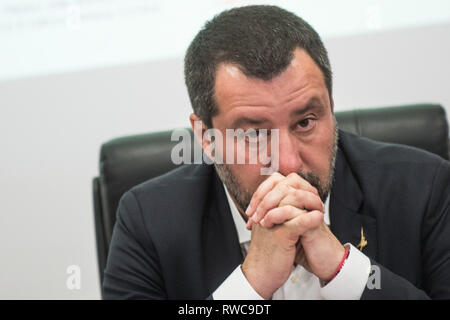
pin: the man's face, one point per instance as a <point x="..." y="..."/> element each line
<point x="297" y="103"/>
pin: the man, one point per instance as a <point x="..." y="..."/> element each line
<point x="343" y="217"/>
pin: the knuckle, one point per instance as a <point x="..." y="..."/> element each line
<point x="311" y="197"/>
<point x="318" y="218"/>
<point x="276" y="176"/>
<point x="269" y="219"/>
<point x="313" y="190"/>
<point x="302" y="221"/>
<point x="256" y="195"/>
<point x="292" y="175"/>
<point x="307" y="220"/>
<point x="284" y="188"/>
<point x="297" y="180"/>
<point x="272" y="184"/>
<point x="291" y="191"/>
<point x="299" y="193"/>
<point x="263" y="206"/>
<point x="290" y="209"/>
<point x="300" y="196"/>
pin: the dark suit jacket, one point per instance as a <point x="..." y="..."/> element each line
<point x="175" y="237"/>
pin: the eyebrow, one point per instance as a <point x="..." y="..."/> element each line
<point x="313" y="104"/>
<point x="249" y="121"/>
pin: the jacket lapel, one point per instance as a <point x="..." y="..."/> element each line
<point x="222" y="251"/>
<point x="349" y="223"/>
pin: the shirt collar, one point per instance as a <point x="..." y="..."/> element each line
<point x="244" y="235"/>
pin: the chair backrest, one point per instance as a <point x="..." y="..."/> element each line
<point x="128" y="161"/>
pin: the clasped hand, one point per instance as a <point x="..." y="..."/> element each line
<point x="286" y="219"/>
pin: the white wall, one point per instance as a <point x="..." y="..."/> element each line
<point x="389" y="68"/>
<point x="51" y="129"/>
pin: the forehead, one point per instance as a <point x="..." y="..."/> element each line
<point x="233" y="88"/>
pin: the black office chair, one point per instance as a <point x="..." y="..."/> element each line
<point x="128" y="161"/>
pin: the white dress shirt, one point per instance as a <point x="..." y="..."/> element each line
<point x="301" y="284"/>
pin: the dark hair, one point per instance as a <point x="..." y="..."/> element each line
<point x="259" y="39"/>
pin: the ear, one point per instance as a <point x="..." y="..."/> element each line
<point x="199" y="128"/>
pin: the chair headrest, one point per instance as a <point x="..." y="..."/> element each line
<point x="422" y="125"/>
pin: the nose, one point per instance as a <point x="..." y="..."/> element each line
<point x="289" y="159"/>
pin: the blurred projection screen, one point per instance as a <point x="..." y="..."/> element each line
<point x="40" y="37"/>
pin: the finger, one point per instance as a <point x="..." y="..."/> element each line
<point x="303" y="200"/>
<point x="280" y="215"/>
<point x="271" y="200"/>
<point x="303" y="222"/>
<point x="279" y="187"/>
<point x="262" y="190"/>
<point x="293" y="179"/>
<point x="249" y="224"/>
<point x="298" y="182"/>
<point x="283" y="194"/>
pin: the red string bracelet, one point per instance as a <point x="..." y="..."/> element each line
<point x="347" y="252"/>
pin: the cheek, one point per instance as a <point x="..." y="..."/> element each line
<point x="319" y="152"/>
<point x="249" y="176"/>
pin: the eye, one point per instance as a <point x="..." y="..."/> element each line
<point x="306" y="124"/>
<point x="255" y="135"/>
<point x="251" y="135"/>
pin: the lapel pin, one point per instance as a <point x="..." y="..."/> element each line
<point x="363" y="243"/>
